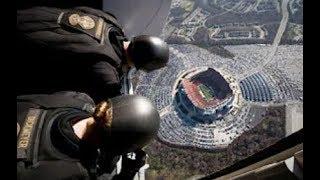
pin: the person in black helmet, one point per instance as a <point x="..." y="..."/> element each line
<point x="74" y="139"/>
<point x="147" y="53"/>
<point x="80" y="49"/>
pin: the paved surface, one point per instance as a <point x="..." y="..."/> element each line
<point x="276" y="41"/>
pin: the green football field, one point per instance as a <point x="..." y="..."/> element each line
<point x="205" y="91"/>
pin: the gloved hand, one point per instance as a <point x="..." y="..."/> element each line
<point x="132" y="162"/>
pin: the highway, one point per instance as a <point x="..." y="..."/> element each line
<point x="270" y="54"/>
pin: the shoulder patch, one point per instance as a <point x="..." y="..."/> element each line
<point x="85" y="22"/>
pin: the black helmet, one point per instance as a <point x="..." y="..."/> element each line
<point x="129" y="123"/>
<point x="148" y="52"/>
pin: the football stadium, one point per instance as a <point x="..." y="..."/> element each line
<point x="206" y="101"/>
<point x="230" y="63"/>
<point x="233" y="83"/>
<point x="203" y="95"/>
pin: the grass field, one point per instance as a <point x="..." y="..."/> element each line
<point x="206" y="92"/>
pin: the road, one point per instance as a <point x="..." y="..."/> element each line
<point x="281" y="29"/>
<point x="276" y="41"/>
<point x="165" y="110"/>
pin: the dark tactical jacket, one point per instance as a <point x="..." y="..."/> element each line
<point x="47" y="148"/>
<point x="23" y="4"/>
<point x="78" y="49"/>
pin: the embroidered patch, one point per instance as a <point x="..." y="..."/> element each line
<point x="27" y="129"/>
<point x="85" y="22"/>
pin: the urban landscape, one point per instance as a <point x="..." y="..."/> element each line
<point x="235" y="70"/>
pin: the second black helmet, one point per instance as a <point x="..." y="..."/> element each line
<point x="128" y="122"/>
<point x="148" y="53"/>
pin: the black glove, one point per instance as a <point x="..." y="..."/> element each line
<point x="132" y="162"/>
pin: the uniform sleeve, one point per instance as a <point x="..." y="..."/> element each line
<point x="105" y="81"/>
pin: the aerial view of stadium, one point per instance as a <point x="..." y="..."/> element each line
<point x="235" y="74"/>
